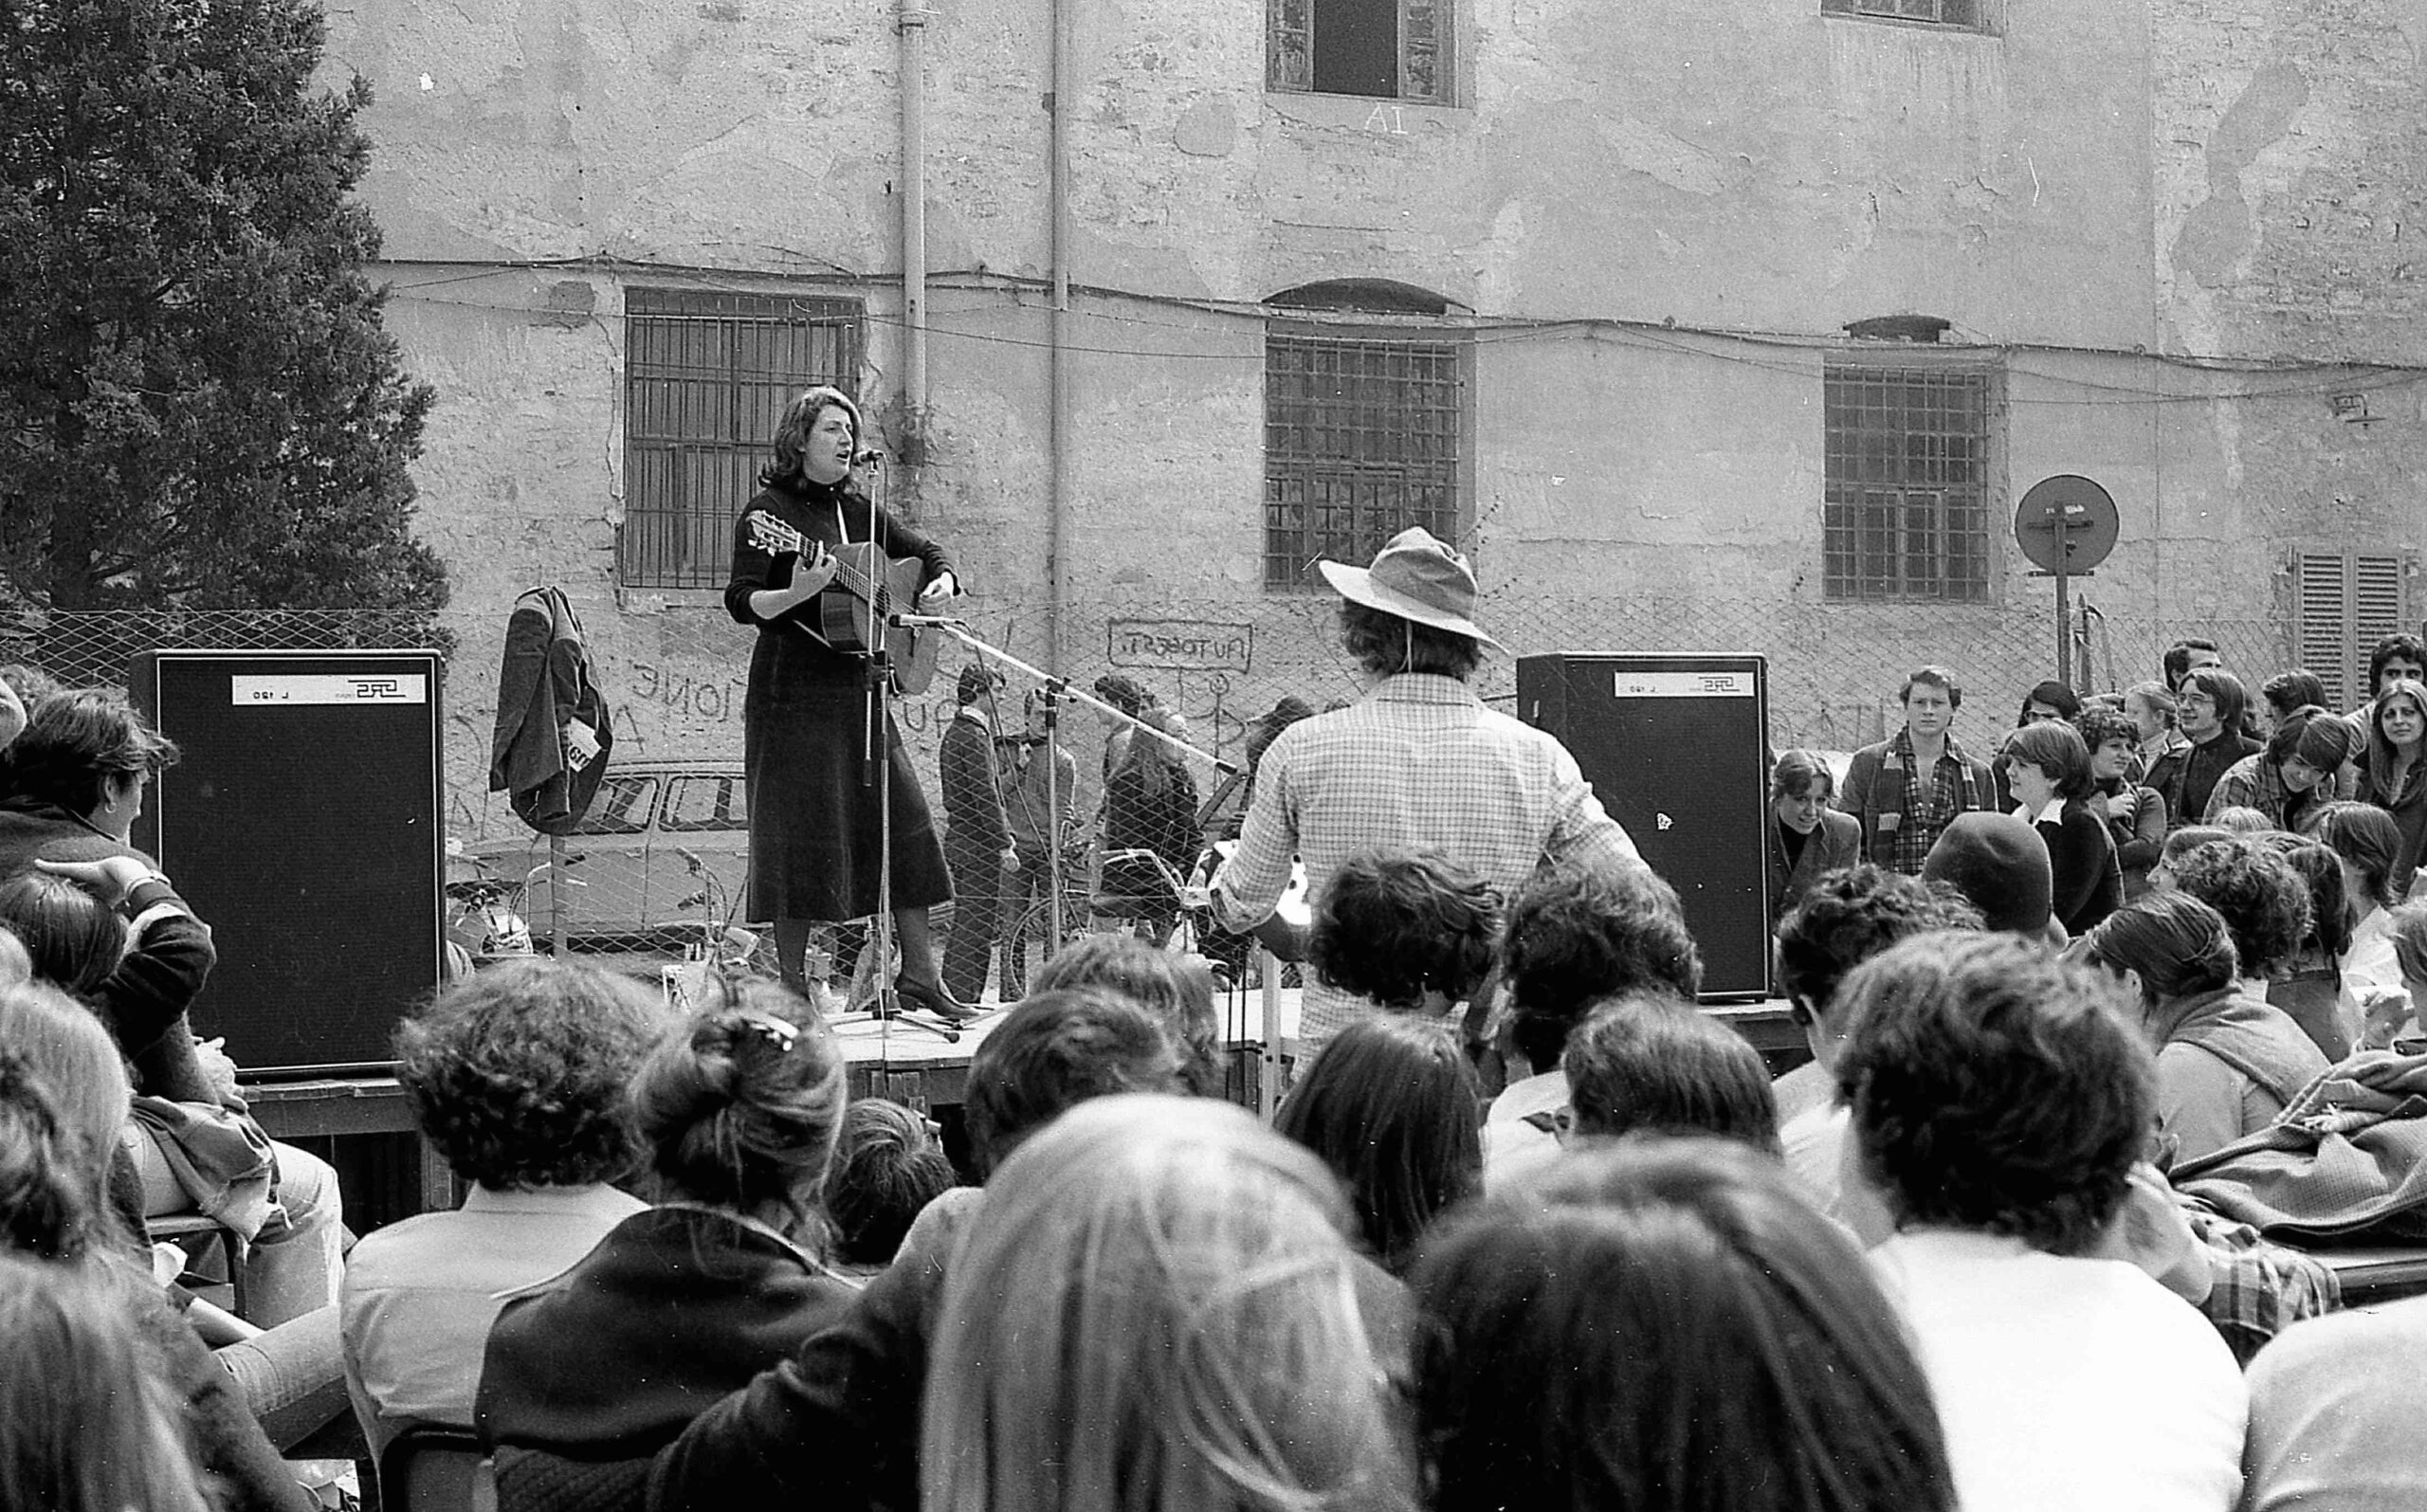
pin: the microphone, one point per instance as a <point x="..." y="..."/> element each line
<point x="920" y="622"/>
<point x="862" y="459"/>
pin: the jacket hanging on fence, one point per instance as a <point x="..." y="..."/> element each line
<point x="553" y="729"/>
<point x="2347" y="1159"/>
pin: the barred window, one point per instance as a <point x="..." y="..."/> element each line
<point x="1362" y="439"/>
<point x="707" y="375"/>
<point x="1907" y="514"/>
<point x="1388" y="49"/>
<point x="1967" y="15"/>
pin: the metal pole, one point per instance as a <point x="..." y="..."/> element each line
<point x="912" y="22"/>
<point x="2064" y="601"/>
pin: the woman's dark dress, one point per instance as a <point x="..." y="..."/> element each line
<point x="816" y="833"/>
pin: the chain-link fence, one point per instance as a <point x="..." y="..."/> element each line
<point x="661" y="861"/>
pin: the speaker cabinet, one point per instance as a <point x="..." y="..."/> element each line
<point x="302" y="824"/>
<point x="1677" y="748"/>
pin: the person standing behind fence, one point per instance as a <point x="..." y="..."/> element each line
<point x="1419" y="760"/>
<point x="1904" y="790"/>
<point x="977" y="835"/>
<point x="2213" y="703"/>
<point x="1150" y="805"/>
<point x="1036" y="820"/>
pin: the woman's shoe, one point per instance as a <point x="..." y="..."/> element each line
<point x="930" y="997"/>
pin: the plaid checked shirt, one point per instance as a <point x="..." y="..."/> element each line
<point x="1420" y="761"/>
<point x="1927" y="813"/>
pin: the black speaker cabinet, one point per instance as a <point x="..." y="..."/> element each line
<point x="302" y="824"/>
<point x="1677" y="748"/>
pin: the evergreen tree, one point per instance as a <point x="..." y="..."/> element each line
<point x="198" y="403"/>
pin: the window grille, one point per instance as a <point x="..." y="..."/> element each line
<point x="2344" y="602"/>
<point x="1907" y="512"/>
<point x="706" y="377"/>
<point x="1388" y="49"/>
<point x="1361" y="441"/>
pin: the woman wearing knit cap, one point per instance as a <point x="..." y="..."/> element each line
<point x="2294" y="773"/>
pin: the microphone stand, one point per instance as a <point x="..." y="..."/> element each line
<point x="876" y="762"/>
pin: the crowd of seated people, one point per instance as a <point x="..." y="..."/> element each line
<point x="1946" y="1264"/>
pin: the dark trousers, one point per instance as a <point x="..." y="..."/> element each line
<point x="976" y="916"/>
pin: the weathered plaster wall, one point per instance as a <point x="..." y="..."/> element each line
<point x="2184" y="174"/>
<point x="2290" y="170"/>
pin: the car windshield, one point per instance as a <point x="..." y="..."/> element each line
<point x="621" y="807"/>
<point x="704" y="802"/>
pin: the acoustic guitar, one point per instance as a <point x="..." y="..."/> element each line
<point x="849" y="613"/>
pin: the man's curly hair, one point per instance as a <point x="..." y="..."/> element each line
<point x="1849" y="916"/>
<point x="1580" y="934"/>
<point x="1995" y="1089"/>
<point x="1394" y="922"/>
<point x="521" y="1076"/>
<point x="2265" y="902"/>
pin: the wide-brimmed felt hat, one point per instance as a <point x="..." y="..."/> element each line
<point x="1417" y="576"/>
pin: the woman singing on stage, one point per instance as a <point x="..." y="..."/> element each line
<point x="816" y="831"/>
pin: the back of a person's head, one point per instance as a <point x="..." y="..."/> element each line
<point x="1057" y="1049"/>
<point x="2001" y="864"/>
<point x="2365" y="838"/>
<point x="1995" y="1089"/>
<point x="16" y="965"/>
<point x="1847" y="917"/>
<point x="1665" y="1326"/>
<point x="2184" y="841"/>
<point x="74" y="742"/>
<point x="1652" y="1064"/>
<point x="2179" y="945"/>
<point x="49" y="1205"/>
<point x="2330" y="912"/>
<point x="1156" y="1306"/>
<point x="2406" y="926"/>
<point x="1394" y="924"/>
<point x="2263" y="899"/>
<point x="887" y="1166"/>
<point x="2241" y="819"/>
<point x="2296" y="689"/>
<point x="72" y="940"/>
<point x="740" y="1104"/>
<point x="1175" y="987"/>
<point x="1577" y="933"/>
<point x="1389" y="1104"/>
<point x="86" y="1422"/>
<point x="63" y="1045"/>
<point x="521" y="1073"/>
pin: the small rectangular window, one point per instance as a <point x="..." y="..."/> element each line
<point x="1363" y="439"/>
<point x="1906" y="510"/>
<point x="705" y="803"/>
<point x="1386" y="49"/>
<point x="706" y="377"/>
<point x="1967" y="15"/>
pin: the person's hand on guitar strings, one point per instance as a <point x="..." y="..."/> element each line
<point x="945" y="586"/>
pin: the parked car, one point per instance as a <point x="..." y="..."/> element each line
<point x="664" y="851"/>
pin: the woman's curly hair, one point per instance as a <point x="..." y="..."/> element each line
<point x="522" y="1075"/>
<point x="2264" y="902"/>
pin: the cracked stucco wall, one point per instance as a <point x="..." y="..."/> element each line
<point x="2103" y="176"/>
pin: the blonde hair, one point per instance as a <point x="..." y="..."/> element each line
<point x="1157" y="1307"/>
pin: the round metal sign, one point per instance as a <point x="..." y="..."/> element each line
<point x="2066" y="523"/>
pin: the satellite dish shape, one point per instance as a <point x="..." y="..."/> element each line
<point x="2066" y="524"/>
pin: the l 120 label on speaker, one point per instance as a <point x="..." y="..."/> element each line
<point x="1681" y="684"/>
<point x="273" y="690"/>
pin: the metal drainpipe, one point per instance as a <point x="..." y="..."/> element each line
<point x="912" y="22"/>
<point x="1057" y="559"/>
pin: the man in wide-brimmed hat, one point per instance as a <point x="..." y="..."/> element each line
<point x="1417" y="761"/>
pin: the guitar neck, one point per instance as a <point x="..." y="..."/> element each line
<point x="775" y="536"/>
